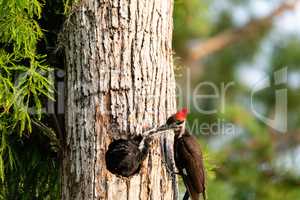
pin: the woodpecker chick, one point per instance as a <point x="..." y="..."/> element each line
<point x="124" y="157"/>
<point x="188" y="158"/>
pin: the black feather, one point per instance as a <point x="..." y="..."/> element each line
<point x="189" y="161"/>
<point x="124" y="157"/>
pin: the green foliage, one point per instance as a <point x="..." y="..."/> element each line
<point x="23" y="77"/>
<point x="35" y="174"/>
<point x="242" y="168"/>
<point x="286" y="53"/>
<point x="68" y="5"/>
<point x="19" y="28"/>
<point x="190" y="20"/>
<point x="244" y="161"/>
<point x="220" y="190"/>
<point x="24" y="82"/>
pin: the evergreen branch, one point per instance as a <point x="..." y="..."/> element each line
<point x="54" y="142"/>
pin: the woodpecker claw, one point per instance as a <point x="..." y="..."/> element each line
<point x="170" y="171"/>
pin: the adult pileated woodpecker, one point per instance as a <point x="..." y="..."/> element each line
<point x="188" y="157"/>
<point x="124" y="157"/>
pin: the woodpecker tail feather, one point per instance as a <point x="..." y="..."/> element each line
<point x="204" y="195"/>
<point x="186" y="195"/>
<point x="189" y="188"/>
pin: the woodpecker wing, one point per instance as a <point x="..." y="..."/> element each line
<point x="193" y="164"/>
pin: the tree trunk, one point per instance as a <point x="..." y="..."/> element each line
<point x="119" y="79"/>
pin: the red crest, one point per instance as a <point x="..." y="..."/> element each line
<point x="181" y="114"/>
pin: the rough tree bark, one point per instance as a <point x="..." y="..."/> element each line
<point x="119" y="78"/>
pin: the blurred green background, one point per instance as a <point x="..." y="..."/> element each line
<point x="236" y="51"/>
<point x="242" y="44"/>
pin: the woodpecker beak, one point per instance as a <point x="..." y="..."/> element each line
<point x="167" y="127"/>
<point x="162" y="128"/>
<point x="178" y="128"/>
<point x="175" y="122"/>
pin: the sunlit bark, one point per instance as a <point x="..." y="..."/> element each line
<point x="119" y="79"/>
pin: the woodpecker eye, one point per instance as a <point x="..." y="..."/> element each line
<point x="179" y="122"/>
